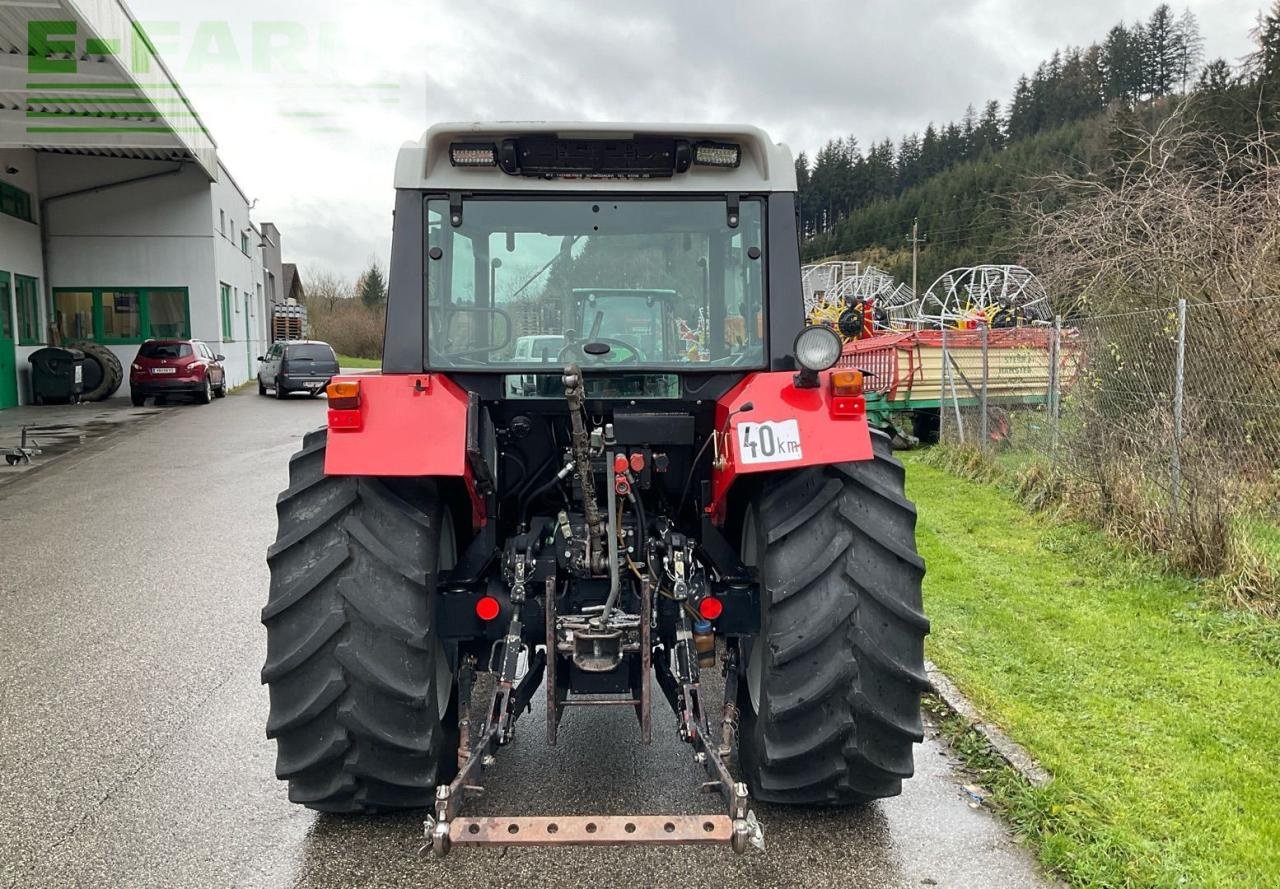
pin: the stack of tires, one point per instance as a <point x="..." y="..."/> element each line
<point x="103" y="373"/>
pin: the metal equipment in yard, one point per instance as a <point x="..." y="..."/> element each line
<point x="919" y="374"/>
<point x="27" y="448"/>
<point x="603" y="439"/>
<point x="981" y="338"/>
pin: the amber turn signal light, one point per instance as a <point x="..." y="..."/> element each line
<point x="846" y="383"/>
<point x="343" y="396"/>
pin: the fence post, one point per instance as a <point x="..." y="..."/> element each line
<point x="1175" y="467"/>
<point x="1055" y="387"/>
<point x="942" y="390"/>
<point x="986" y="372"/>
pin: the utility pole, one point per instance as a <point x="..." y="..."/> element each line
<point x="916" y="241"/>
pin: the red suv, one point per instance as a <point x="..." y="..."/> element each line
<point x="176" y="367"/>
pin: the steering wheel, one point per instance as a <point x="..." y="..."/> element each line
<point x="577" y="351"/>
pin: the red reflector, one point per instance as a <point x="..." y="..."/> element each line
<point x="637" y="462"/>
<point x="848" y="407"/>
<point x="620" y="463"/>
<point x="710" y="608"/>
<point x="487" y="608"/>
<point x="345" y="421"/>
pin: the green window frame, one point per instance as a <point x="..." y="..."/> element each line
<point x="154" y="319"/>
<point x="244" y="243"/>
<point x="15" y="202"/>
<point x="27" y="290"/>
<point x="226" y="312"/>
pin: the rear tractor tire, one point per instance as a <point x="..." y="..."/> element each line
<point x="831" y="698"/>
<point x="363" y="705"/>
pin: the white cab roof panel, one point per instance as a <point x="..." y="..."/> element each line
<point x="765" y="165"/>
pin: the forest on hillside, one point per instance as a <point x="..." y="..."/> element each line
<point x="1081" y="110"/>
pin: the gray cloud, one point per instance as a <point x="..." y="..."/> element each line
<point x="317" y="145"/>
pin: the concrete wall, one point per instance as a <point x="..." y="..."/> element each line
<point x="243" y="272"/>
<point x="153" y="233"/>
<point x="272" y="264"/>
<point x="114" y="222"/>
<point x="20" y="250"/>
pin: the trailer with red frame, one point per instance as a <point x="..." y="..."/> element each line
<point x="549" y="483"/>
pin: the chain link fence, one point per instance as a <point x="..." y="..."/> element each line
<point x="1162" y="424"/>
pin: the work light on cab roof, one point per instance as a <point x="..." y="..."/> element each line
<point x="550" y="156"/>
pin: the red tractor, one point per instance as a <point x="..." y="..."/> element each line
<point x="603" y="448"/>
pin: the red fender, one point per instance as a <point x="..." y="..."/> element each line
<point x="805" y="427"/>
<point x="405" y="425"/>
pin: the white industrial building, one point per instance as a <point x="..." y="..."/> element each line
<point x="117" y="220"/>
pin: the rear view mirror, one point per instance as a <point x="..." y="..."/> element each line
<point x="219" y="357"/>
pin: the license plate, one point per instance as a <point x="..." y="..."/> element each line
<point x="164" y="370"/>
<point x="774" y="441"/>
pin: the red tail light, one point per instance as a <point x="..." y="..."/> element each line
<point x="487" y="608"/>
<point x="344" y="406"/>
<point x="710" y="608"/>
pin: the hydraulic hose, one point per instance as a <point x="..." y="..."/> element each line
<point x="615" y="581"/>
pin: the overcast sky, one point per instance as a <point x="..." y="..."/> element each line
<point x="309" y="101"/>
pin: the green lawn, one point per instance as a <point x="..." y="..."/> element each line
<point x="348" y="361"/>
<point x="1160" y="722"/>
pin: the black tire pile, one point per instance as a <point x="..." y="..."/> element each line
<point x="103" y="373"/>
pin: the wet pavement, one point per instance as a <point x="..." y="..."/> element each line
<point x="131" y="716"/>
<point x="57" y="431"/>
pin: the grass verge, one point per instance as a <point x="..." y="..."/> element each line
<point x="1157" y="716"/>
<point x="350" y="361"/>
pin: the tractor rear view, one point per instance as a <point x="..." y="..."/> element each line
<point x="603" y="449"/>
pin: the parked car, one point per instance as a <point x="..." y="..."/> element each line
<point x="176" y="367"/>
<point x="534" y="349"/>
<point x="296" y="366"/>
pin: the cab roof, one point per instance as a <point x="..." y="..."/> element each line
<point x="765" y="165"/>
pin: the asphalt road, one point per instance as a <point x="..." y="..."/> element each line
<point x="131" y="715"/>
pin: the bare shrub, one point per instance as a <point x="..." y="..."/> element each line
<point x="1187" y="217"/>
<point x="343" y="321"/>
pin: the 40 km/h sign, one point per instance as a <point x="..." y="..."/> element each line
<point x="773" y="441"/>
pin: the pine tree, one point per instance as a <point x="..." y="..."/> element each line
<point x="908" y="161"/>
<point x="1021" y="111"/>
<point x="932" y="158"/>
<point x="989" y="134"/>
<point x="1139" y="76"/>
<point x="1163" y="52"/>
<point x="372" y="287"/>
<point x="968" y="131"/>
<point x="1117" y="65"/>
<point x="805" y="189"/>
<point x="1216" y="78"/>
